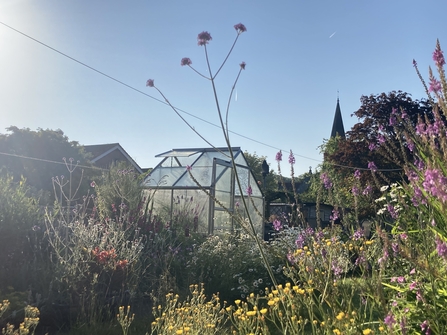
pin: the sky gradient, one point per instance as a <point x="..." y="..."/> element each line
<point x="299" y="54"/>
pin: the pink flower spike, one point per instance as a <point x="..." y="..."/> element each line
<point x="240" y="28"/>
<point x="203" y="38"/>
<point x="185" y="61"/>
<point x="278" y="156"/>
<point x="438" y="56"/>
<point x="242" y="65"/>
<point x="150" y="83"/>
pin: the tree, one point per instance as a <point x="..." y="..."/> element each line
<point x="255" y="163"/>
<point x="39" y="156"/>
<point x="374" y="139"/>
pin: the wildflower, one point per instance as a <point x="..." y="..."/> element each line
<point x="372" y="146"/>
<point x="435" y="85"/>
<point x="240" y="28"/>
<point x="355" y="190"/>
<point x="367" y="331"/>
<point x="291" y="158"/>
<point x="335" y="215"/>
<point x="92" y="184"/>
<point x="441" y="247"/>
<point x="372" y="166"/>
<point x="242" y="65"/>
<point x="277" y="225"/>
<point x="203" y="38"/>
<point x="392" y="120"/>
<point x="357" y="174"/>
<point x="389" y="320"/>
<point x="150" y="83"/>
<point x="326" y="180"/>
<point x="425" y="327"/>
<point x="249" y="190"/>
<point x="185" y="61"/>
<point x="438" y="56"/>
<point x="278" y="156"/>
<point x="367" y="190"/>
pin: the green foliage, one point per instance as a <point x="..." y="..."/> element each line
<point x="44" y="145"/>
<point x="255" y="163"/>
<point x="20" y="232"/>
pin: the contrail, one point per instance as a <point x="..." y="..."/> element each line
<point x="332" y="34"/>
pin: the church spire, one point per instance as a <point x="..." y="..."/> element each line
<point x="337" y="126"/>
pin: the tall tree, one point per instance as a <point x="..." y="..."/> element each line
<point x="39" y="156"/>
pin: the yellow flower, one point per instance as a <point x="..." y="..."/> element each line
<point x="180" y="331"/>
<point x="271" y="302"/>
<point x="340" y="316"/>
<point x="367" y="331"/>
<point x="263" y="311"/>
<point x="337" y="332"/>
<point x="381" y="328"/>
<point x="237" y="302"/>
<point x="251" y="313"/>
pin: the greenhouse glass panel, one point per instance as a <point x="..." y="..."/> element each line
<point x="212" y="174"/>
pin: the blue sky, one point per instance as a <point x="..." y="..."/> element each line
<point x="298" y="55"/>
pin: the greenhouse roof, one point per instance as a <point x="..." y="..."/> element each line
<point x="208" y="167"/>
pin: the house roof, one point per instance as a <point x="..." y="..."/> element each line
<point x="99" y="151"/>
<point x="337" y="126"/>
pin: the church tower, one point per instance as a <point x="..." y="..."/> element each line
<point x="337" y="126"/>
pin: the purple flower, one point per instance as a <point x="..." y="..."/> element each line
<point x="404" y="115"/>
<point x="249" y="190"/>
<point x="392" y="211"/>
<point x="203" y="38"/>
<point x="358" y="234"/>
<point x="441" y="247"/>
<point x="291" y="158"/>
<point x="438" y="56"/>
<point x="278" y="156"/>
<point x="335" y="215"/>
<point x="413" y="285"/>
<point x="367" y="190"/>
<point x="188" y="167"/>
<point x="242" y="65"/>
<point x="240" y="28"/>
<point x="185" y="61"/>
<point x="381" y="139"/>
<point x="357" y="174"/>
<point x="150" y="83"/>
<point x="425" y="327"/>
<point x="372" y="146"/>
<point x="237" y="204"/>
<point x="435" y="85"/>
<point x="277" y="225"/>
<point x="92" y="184"/>
<point x="410" y="145"/>
<point x="326" y="180"/>
<point x="392" y="120"/>
<point x="355" y="190"/>
<point x="372" y="166"/>
<point x="389" y="320"/>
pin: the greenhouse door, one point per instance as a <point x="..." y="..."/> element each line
<point x="222" y="190"/>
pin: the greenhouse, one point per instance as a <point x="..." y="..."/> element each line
<point x="203" y="200"/>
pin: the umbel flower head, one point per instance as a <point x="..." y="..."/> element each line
<point x="240" y="28"/>
<point x="185" y="61"/>
<point x="203" y="38"/>
<point x="242" y="65"/>
<point x="150" y="83"/>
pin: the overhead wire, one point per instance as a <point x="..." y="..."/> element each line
<point x="165" y="103"/>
